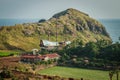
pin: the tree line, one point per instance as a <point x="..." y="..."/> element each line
<point x="101" y="54"/>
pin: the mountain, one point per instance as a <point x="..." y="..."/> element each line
<point x="69" y="25"/>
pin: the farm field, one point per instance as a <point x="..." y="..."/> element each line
<point x="5" y="53"/>
<point x="66" y="72"/>
<point x="18" y="69"/>
<point x="77" y="73"/>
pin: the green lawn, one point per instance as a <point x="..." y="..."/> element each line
<point x="77" y="73"/>
<point x="4" y="53"/>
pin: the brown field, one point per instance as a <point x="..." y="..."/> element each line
<point x="18" y="69"/>
<point x="11" y="62"/>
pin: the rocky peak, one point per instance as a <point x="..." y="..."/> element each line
<point x="69" y="11"/>
<point x="79" y="20"/>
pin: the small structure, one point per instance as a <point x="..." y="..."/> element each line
<point x="31" y="58"/>
<point x="35" y="51"/>
<point x="48" y="45"/>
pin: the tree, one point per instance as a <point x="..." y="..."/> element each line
<point x="91" y="49"/>
<point x="111" y="74"/>
<point x="114" y="71"/>
<point x="117" y="74"/>
<point x="42" y="20"/>
<point x="16" y="68"/>
<point x="33" y="68"/>
<point x="1" y="78"/>
<point x="102" y="43"/>
<point x="6" y="73"/>
<point x="112" y="52"/>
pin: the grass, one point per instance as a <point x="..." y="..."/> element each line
<point x="77" y="73"/>
<point x="27" y="36"/>
<point x="5" y="53"/>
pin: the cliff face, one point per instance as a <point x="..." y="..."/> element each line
<point x="80" y="21"/>
<point x="70" y="24"/>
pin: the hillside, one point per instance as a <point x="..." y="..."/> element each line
<point x="70" y="24"/>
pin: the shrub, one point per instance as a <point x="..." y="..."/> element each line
<point x="11" y="54"/>
<point x="6" y="73"/>
<point x="42" y="20"/>
<point x="1" y="78"/>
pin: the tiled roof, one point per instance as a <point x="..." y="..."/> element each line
<point x="53" y="55"/>
<point x="32" y="57"/>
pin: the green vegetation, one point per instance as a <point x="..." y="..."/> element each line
<point x="71" y="24"/>
<point x="77" y="73"/>
<point x="6" y="73"/>
<point x="101" y="55"/>
<point x="98" y="54"/>
<point x="4" y="53"/>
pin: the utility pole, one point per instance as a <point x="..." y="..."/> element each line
<point x="48" y="35"/>
<point x="48" y="31"/>
<point x="56" y="32"/>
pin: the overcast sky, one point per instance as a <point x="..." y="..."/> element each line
<point x="47" y="8"/>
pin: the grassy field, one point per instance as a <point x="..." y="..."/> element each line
<point x="77" y="73"/>
<point x="5" y="53"/>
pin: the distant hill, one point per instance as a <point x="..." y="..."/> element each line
<point x="70" y="24"/>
